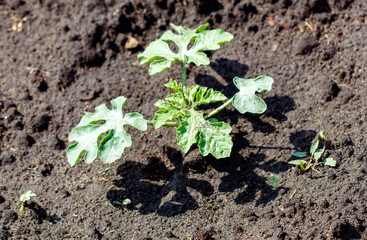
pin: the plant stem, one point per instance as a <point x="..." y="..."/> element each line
<point x="183" y="75"/>
<point x="220" y="108"/>
<point x="21" y="208"/>
<point x="167" y="124"/>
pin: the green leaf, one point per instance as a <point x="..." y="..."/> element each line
<point x="159" y="53"/>
<point x="174" y="85"/>
<point x="205" y="96"/>
<point x="314" y="147"/>
<point x="298" y="162"/>
<point x="187" y="131"/>
<point x="273" y="178"/>
<point x="246" y="100"/>
<point x="86" y="135"/>
<point x="27" y="196"/>
<point x="177" y="98"/>
<point x="329" y="162"/>
<point x="317" y="155"/>
<point x="300" y="154"/>
<point x="207" y="41"/>
<point x="167" y="111"/>
<point x="321" y="137"/>
<point x="212" y="136"/>
<point x="191" y="93"/>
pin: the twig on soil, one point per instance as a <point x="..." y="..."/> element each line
<point x="293" y="193"/>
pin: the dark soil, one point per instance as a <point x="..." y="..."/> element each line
<point x="62" y="58"/>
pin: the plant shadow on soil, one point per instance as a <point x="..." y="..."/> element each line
<point x="154" y="187"/>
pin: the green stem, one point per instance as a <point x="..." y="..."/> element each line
<point x="167" y="124"/>
<point x="21" y="208"/>
<point x="183" y="75"/>
<point x="220" y="108"/>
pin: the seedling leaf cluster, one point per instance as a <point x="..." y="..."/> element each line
<point x="26" y="197"/>
<point x="102" y="133"/>
<point x="316" y="154"/>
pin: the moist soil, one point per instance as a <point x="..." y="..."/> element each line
<point x="62" y="58"/>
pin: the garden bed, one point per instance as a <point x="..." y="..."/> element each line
<point x="62" y="58"/>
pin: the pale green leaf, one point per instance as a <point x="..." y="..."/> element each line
<point x="215" y="139"/>
<point x="246" y="100"/>
<point x="177" y="98"/>
<point x="191" y="93"/>
<point x="322" y="136"/>
<point x="206" y="41"/>
<point x="314" y="147"/>
<point x="317" y="155"/>
<point x="189" y="128"/>
<point x="298" y="162"/>
<point x="300" y="154"/>
<point x="27" y="196"/>
<point x="167" y="111"/>
<point x="205" y="96"/>
<point x="329" y="162"/>
<point x="159" y="53"/>
<point x="174" y="85"/>
<point x="86" y="135"/>
<point x="212" y="136"/>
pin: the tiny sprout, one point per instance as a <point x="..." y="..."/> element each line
<point x="307" y="161"/>
<point x="274" y="181"/>
<point x="26" y="197"/>
<point x="126" y="202"/>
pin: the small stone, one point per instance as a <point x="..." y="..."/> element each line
<point x="131" y="43"/>
<point x="305" y="44"/>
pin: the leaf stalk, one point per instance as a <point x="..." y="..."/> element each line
<point x="183" y="75"/>
<point x="167" y="124"/>
<point x="220" y="108"/>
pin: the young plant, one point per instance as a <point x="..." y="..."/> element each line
<point x="316" y="155"/>
<point x="274" y="181"/>
<point x="102" y="133"/>
<point x="26" y="197"/>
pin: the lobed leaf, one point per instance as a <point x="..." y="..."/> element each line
<point x="246" y="100"/>
<point x="212" y="136"/>
<point x="167" y="111"/>
<point x="206" y="41"/>
<point x="86" y="135"/>
<point x="159" y="53"/>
